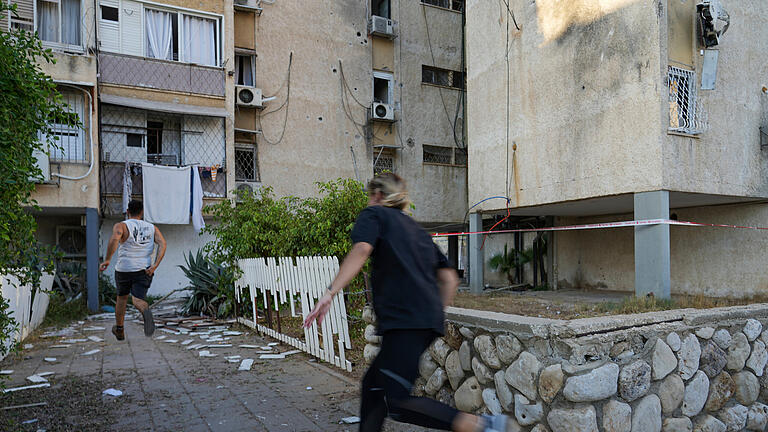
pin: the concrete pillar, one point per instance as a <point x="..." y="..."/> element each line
<point x="476" y="261"/>
<point x="92" y="257"/>
<point x="652" y="256"/>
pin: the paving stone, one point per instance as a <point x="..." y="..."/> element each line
<point x="600" y="383"/>
<point x="677" y="424"/>
<point x="722" y="338"/>
<point x="436" y="381"/>
<point x="713" y="359"/>
<point x="482" y="373"/>
<point x="707" y="423"/>
<point x="688" y="356"/>
<point x="705" y="332"/>
<point x="617" y="416"/>
<point x="508" y="347"/>
<point x="527" y="413"/>
<point x="492" y="401"/>
<point x="721" y="389"/>
<point x="522" y="374"/>
<point x="454" y="370"/>
<point x="757" y="417"/>
<point x="487" y="350"/>
<point x="738" y="352"/>
<point x="747" y="388"/>
<point x="663" y="360"/>
<point x="647" y="414"/>
<point x="734" y="417"/>
<point x="752" y="329"/>
<point x="469" y="396"/>
<point x="695" y="394"/>
<point x="673" y="340"/>
<point x="582" y="419"/>
<point x="465" y="356"/>
<point x="634" y="380"/>
<point x="671" y="391"/>
<point x="550" y="382"/>
<point x="503" y="391"/>
<point x="758" y="358"/>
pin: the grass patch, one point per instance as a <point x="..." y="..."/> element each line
<point x="60" y="313"/>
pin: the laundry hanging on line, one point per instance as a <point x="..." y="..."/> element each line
<point x="167" y="194"/>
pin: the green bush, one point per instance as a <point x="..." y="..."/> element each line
<point x="212" y="286"/>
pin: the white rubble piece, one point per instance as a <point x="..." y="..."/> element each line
<point x="6" y="371"/>
<point x="245" y="365"/>
<point x="50" y="359"/>
<point x="94" y="328"/>
<point x="73" y="341"/>
<point x="351" y="420"/>
<point x="112" y="392"/>
<point x="206" y="353"/>
<point x="188" y="341"/>
<point x="8" y="390"/>
<point x="171" y="341"/>
<point x="95" y="339"/>
<point x="91" y="352"/>
<point x="61" y="346"/>
<point x="36" y="379"/>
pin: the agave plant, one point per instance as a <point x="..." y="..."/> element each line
<point x="211" y="285"/>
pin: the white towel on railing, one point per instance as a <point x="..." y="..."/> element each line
<point x="167" y="193"/>
<point x="127" y="186"/>
<point x="197" y="200"/>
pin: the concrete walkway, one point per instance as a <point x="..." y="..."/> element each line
<point x="170" y="388"/>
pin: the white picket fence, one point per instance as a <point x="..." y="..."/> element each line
<point x="299" y="284"/>
<point x="27" y="313"/>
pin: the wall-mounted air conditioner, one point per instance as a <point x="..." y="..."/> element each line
<point x="71" y="241"/>
<point x="380" y="26"/>
<point x="42" y="162"/>
<point x="382" y="112"/>
<point x="245" y="188"/>
<point x="249" y="96"/>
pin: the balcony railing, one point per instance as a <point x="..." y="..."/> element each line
<point x="161" y="74"/>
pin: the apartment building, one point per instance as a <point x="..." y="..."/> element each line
<point x="603" y="111"/>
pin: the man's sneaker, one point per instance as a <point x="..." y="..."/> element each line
<point x="149" y="322"/>
<point x="119" y="332"/>
<point x="497" y="423"/>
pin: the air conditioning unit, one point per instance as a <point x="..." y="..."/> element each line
<point x="71" y="241"/>
<point x="42" y="162"/>
<point x="244" y="188"/>
<point x="383" y="112"/>
<point x="249" y="96"/>
<point x="380" y="26"/>
<point x="713" y="22"/>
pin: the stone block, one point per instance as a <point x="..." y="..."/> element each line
<point x="617" y="416"/>
<point x="482" y="373"/>
<point x="738" y="352"/>
<point x="550" y="382"/>
<point x="601" y="383"/>
<point x="582" y="419"/>
<point x="752" y="329"/>
<point x="646" y="416"/>
<point x="663" y="360"/>
<point x="492" y="401"/>
<point x="487" y="350"/>
<point x="677" y="424"/>
<point x="527" y="413"/>
<point x="721" y="389"/>
<point x="734" y="417"/>
<point x="713" y="359"/>
<point x="508" y="347"/>
<point x="757" y="360"/>
<point x="688" y="357"/>
<point x="454" y="370"/>
<point x="523" y="372"/>
<point x="503" y="391"/>
<point x="634" y="380"/>
<point x="469" y="396"/>
<point x="671" y="391"/>
<point x="722" y="338"/>
<point x="695" y="394"/>
<point x="747" y="388"/>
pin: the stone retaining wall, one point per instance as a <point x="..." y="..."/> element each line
<point x="681" y="370"/>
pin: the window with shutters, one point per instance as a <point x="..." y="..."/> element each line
<point x="25" y="16"/>
<point x="69" y="142"/>
<point x="436" y="155"/>
<point x="59" y="23"/>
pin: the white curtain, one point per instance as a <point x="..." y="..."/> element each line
<point x="244" y="71"/>
<point x="159" y="34"/>
<point x="48" y="21"/>
<point x="199" y="41"/>
<point x="70" y="22"/>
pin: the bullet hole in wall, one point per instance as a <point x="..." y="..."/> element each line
<point x="334" y="70"/>
<point x="582" y="87"/>
<point x="358" y="34"/>
<point x="320" y="119"/>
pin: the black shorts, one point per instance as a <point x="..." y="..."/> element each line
<point x="134" y="283"/>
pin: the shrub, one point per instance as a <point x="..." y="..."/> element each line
<point x="212" y="286"/>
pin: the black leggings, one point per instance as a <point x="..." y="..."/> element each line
<point x="388" y="382"/>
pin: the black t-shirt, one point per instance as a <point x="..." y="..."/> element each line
<point x="405" y="263"/>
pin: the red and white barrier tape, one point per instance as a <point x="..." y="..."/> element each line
<point x="622" y="224"/>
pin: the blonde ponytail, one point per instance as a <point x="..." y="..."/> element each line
<point x="393" y="189"/>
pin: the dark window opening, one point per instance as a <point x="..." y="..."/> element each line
<point x="134" y="140"/>
<point x="381" y="90"/>
<point x="154" y="137"/>
<point x="246" y="164"/>
<point x="442" y="77"/>
<point x="380" y="8"/>
<point x="244" y="70"/>
<point x="457" y="5"/>
<point x="110" y="13"/>
<point x="175" y="36"/>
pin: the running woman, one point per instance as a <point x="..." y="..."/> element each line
<point x="412" y="283"/>
<point x="134" y="270"/>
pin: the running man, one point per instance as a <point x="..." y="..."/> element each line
<point x="134" y="269"/>
<point x="412" y="283"/>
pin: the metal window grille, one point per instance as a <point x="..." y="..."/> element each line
<point x="246" y="163"/>
<point x="685" y="113"/>
<point x="461" y="157"/>
<point x="442" y="77"/>
<point x="437" y="155"/>
<point x="383" y="163"/>
<point x="457" y="5"/>
<point x="69" y="142"/>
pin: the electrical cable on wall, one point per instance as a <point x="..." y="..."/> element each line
<point x="285" y="104"/>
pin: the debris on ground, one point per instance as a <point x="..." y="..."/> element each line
<point x="350" y="420"/>
<point x="13" y="389"/>
<point x="91" y="352"/>
<point x="112" y="392"/>
<point x="50" y="359"/>
<point x="246" y="365"/>
<point x="36" y="379"/>
<point x="30" y="405"/>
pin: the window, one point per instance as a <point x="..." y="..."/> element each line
<point x="110" y="13"/>
<point x="457" y="5"/>
<point x="198" y="36"/>
<point x="69" y="141"/>
<point x="444" y="155"/>
<point x="245" y="71"/>
<point x="24" y="19"/>
<point x="58" y="21"/>
<point x="442" y="77"/>
<point x="380" y="8"/>
<point x="154" y="137"/>
<point x="383" y="88"/>
<point x="246" y="163"/>
<point x="684" y="113"/>
<point x="383" y="161"/>
<point x="134" y="140"/>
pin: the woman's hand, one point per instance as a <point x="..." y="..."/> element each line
<point x="320" y="310"/>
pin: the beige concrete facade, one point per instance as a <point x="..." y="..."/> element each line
<point x="586" y="107"/>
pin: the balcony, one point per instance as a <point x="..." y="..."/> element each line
<point x="135" y="136"/>
<point x="156" y="74"/>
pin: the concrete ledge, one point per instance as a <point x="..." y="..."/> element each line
<point x="523" y="325"/>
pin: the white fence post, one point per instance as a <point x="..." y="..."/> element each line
<point x="27" y="313"/>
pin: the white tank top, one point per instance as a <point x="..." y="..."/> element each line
<point x="136" y="252"/>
